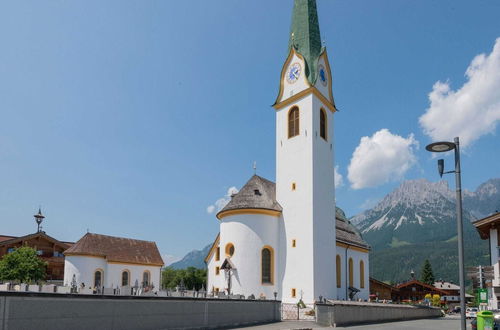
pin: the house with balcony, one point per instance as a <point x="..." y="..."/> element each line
<point x="48" y="249"/>
<point x="489" y="228"/>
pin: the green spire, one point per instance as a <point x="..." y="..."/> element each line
<point x="305" y="36"/>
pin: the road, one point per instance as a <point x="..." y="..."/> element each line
<point x="443" y="323"/>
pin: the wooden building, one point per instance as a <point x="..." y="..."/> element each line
<point x="383" y="291"/>
<point x="489" y="229"/>
<point x="48" y="248"/>
<point x="414" y="290"/>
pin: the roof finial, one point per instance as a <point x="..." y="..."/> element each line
<point x="39" y="218"/>
<point x="254" y="167"/>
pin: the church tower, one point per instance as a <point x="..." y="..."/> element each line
<point x="305" y="185"/>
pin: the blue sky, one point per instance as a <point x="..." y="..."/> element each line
<point x="130" y="118"/>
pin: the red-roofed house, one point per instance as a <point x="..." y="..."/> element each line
<point x="414" y="290"/>
<point x="111" y="262"/>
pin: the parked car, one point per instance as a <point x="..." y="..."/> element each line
<point x="471" y="312"/>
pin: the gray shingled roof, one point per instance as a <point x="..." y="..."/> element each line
<point x="257" y="193"/>
<point x="346" y="232"/>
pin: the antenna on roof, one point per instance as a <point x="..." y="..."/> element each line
<point x="254" y="167"/>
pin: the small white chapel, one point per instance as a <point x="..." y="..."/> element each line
<point x="287" y="240"/>
<point x="100" y="261"/>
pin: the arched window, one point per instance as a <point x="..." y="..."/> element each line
<point x="145" y="278"/>
<point x="125" y="278"/>
<point x="98" y="278"/>
<point x="293" y="122"/>
<point x="229" y="249"/>
<point x="339" y="271"/>
<point x="322" y="123"/>
<point x="267" y="265"/>
<point x="361" y="274"/>
<point x="351" y="272"/>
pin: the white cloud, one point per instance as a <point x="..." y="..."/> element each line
<point x="471" y="111"/>
<point x="221" y="202"/>
<point x="339" y="179"/>
<point x="381" y="158"/>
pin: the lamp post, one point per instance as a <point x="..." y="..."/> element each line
<point x="443" y="147"/>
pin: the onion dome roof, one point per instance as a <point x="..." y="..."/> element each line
<point x="305" y="36"/>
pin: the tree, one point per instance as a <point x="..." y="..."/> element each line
<point x="193" y="278"/>
<point x="426" y="275"/>
<point x="23" y="265"/>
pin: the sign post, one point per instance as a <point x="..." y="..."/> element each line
<point x="480" y="276"/>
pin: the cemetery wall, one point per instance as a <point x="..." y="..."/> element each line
<point x="27" y="310"/>
<point x="343" y="313"/>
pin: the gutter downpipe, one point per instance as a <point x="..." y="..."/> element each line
<point x="346" y="271"/>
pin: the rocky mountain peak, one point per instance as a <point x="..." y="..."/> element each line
<point x="420" y="210"/>
<point x="416" y="192"/>
<point x="485" y="200"/>
<point x="489" y="188"/>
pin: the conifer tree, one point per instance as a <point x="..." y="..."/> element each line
<point x="426" y="275"/>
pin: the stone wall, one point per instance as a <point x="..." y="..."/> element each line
<point x="26" y="310"/>
<point x="348" y="313"/>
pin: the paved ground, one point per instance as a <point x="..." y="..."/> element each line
<point x="443" y="323"/>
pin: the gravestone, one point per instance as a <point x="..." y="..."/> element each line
<point x="33" y="288"/>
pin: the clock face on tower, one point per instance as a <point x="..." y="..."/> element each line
<point x="293" y="73"/>
<point x="322" y="75"/>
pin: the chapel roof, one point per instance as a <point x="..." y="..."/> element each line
<point x="257" y="193"/>
<point x="260" y="193"/>
<point x="117" y="249"/>
<point x="346" y="232"/>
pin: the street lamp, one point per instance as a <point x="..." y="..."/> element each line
<point x="443" y="147"/>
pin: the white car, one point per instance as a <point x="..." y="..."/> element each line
<point x="471" y="313"/>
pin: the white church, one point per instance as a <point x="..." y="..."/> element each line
<point x="287" y="239"/>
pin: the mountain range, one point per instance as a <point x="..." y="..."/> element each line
<point x="416" y="221"/>
<point x="195" y="258"/>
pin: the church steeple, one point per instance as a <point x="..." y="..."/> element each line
<point x="305" y="36"/>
